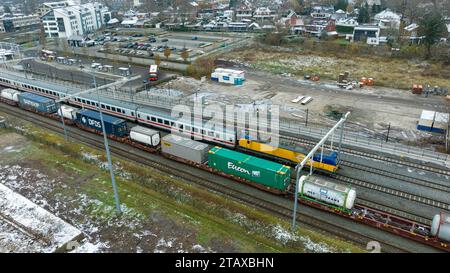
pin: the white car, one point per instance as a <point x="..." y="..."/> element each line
<point x="94" y="65"/>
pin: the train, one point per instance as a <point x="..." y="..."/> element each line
<point x="160" y="119"/>
<point x="261" y="173"/>
<point x="324" y="160"/>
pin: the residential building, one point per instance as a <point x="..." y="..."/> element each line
<point x="369" y="34"/>
<point x="19" y="22"/>
<point x="346" y="26"/>
<point x="322" y="12"/>
<point x="75" y="20"/>
<point x="263" y="13"/>
<point x="388" y="19"/>
<point x="244" y="13"/>
<point x="49" y="6"/>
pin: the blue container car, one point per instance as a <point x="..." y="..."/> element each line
<point x="37" y="103"/>
<point x="113" y="126"/>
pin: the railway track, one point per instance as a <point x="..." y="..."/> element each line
<point x="438" y="170"/>
<point x="183" y="173"/>
<point x="401" y="177"/>
<point x="391" y="191"/>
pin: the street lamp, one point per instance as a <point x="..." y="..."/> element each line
<point x="108" y="155"/>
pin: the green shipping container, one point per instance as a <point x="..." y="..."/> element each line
<point x="255" y="169"/>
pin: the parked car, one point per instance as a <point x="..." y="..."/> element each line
<point x="164" y="40"/>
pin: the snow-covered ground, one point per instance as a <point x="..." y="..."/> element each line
<point x="26" y="227"/>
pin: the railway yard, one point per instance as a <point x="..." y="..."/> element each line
<point x="363" y="189"/>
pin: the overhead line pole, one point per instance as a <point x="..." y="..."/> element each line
<point x="309" y="156"/>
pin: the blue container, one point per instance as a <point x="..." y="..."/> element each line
<point x="37" y="103"/>
<point x="438" y="130"/>
<point x="113" y="126"/>
<point x="423" y="128"/>
<point x="330" y="158"/>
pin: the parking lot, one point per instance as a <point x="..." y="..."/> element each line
<point x="196" y="44"/>
<point x="80" y="70"/>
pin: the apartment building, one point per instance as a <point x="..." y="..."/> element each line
<point x="75" y="20"/>
<point x="19" y="22"/>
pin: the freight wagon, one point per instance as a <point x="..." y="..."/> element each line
<point x="188" y="150"/>
<point x="260" y="171"/>
<point x="68" y="112"/>
<point x="145" y="135"/>
<point x="326" y="161"/>
<point x="323" y="191"/>
<point x="36" y="103"/>
<point x="440" y="227"/>
<point x="10" y="96"/>
<point x="89" y="120"/>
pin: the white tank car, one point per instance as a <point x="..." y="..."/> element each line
<point x="68" y="112"/>
<point x="321" y="189"/>
<point x="440" y="227"/>
<point x="10" y="94"/>
<point x="145" y="135"/>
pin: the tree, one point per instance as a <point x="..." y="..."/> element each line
<point x="364" y="16"/>
<point x="432" y="27"/>
<point x="184" y="54"/>
<point x="167" y="52"/>
<point x="6" y="9"/>
<point x="341" y="4"/>
<point x="157" y="59"/>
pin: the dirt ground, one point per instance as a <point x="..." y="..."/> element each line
<point x="373" y="108"/>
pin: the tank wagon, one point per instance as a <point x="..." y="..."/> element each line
<point x="440" y="227"/>
<point x="272" y="175"/>
<point x="36" y="103"/>
<point x="10" y="96"/>
<point x="322" y="191"/>
<point x="89" y="120"/>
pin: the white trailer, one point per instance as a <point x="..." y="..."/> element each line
<point x="145" y="135"/>
<point x="68" y="112"/>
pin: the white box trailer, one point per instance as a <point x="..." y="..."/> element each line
<point x="68" y="112"/>
<point x="10" y="94"/>
<point x="145" y="135"/>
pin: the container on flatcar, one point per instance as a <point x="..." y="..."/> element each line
<point x="322" y="190"/>
<point x="440" y="227"/>
<point x="37" y="103"/>
<point x="10" y="94"/>
<point x="113" y="126"/>
<point x="185" y="148"/>
<point x="145" y="135"/>
<point x="68" y="112"/>
<point x="251" y="168"/>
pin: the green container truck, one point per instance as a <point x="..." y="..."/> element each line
<point x="251" y="168"/>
